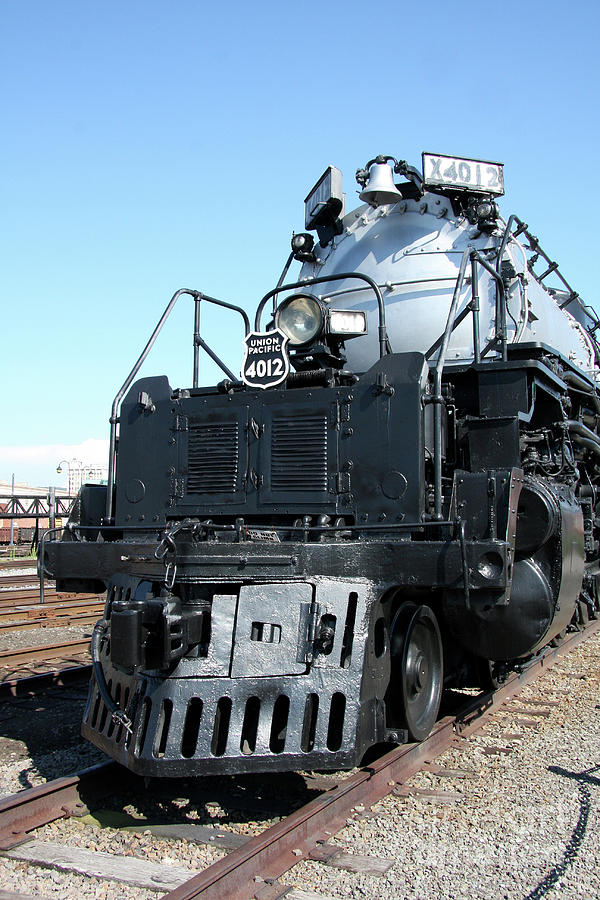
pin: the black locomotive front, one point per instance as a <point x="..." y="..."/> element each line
<point x="298" y="562"/>
<point x="260" y="620"/>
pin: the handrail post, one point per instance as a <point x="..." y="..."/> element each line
<point x="196" y="372"/>
<point x="502" y="295"/>
<point x="437" y="398"/>
<point x="41" y="553"/>
<point x="475" y="308"/>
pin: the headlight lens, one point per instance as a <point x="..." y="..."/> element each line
<point x="300" y="317"/>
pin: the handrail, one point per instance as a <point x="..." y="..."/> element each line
<point x="384" y="344"/>
<point x="41" y="562"/>
<point x="198" y="342"/>
<point x="552" y="267"/>
<point x="502" y="305"/>
<point x="443" y="341"/>
<point x="437" y="398"/>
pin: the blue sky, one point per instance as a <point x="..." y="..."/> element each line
<point x="150" y="145"/>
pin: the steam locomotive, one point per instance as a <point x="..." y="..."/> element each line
<point x="398" y="495"/>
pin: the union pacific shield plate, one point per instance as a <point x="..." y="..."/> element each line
<point x="266" y="361"/>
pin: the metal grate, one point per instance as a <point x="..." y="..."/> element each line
<point x="213" y="458"/>
<point x="299" y="453"/>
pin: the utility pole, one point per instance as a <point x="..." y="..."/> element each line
<point x="12" y="521"/>
<point x="51" y="507"/>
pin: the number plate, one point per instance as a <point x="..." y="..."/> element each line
<point x="463" y="174"/>
<point x="268" y="537"/>
<point x="326" y="194"/>
<point x="266" y="361"/>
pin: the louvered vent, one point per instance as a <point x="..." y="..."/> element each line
<point x="213" y="458"/>
<point x="299" y="454"/>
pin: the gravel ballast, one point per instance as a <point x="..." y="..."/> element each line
<point x="527" y="825"/>
<point x="515" y="825"/>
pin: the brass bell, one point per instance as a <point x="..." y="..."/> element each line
<point x="380" y="188"/>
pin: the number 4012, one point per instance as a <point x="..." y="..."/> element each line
<point x="265" y="368"/>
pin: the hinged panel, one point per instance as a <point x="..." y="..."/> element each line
<point x="298" y="454"/>
<point x="213" y="455"/>
<point x="271" y="632"/>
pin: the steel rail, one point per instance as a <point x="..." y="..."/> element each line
<point x="16" y="580"/>
<point x="57" y="607"/>
<point x="32" y="598"/>
<point x="29" y="605"/>
<point x="25" y="595"/>
<point x="20" y="562"/>
<point x="30" y="685"/>
<point x="64" y="620"/>
<point x="45" y="803"/>
<point x="46" y="651"/>
<point x="276" y="849"/>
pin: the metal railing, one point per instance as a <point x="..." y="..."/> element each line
<point x="452" y="322"/>
<point x="199" y="343"/>
<point x="552" y="267"/>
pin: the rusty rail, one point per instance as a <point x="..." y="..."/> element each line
<point x="8" y="581"/>
<point x="17" y="562"/>
<point x="30" y="685"/>
<point x="46" y="651"/>
<point x="10" y="599"/>
<point x="51" y="615"/>
<point x="45" y="803"/>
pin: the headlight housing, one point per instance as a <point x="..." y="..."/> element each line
<point x="301" y="317"/>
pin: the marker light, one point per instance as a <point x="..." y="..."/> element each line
<point x="347" y="322"/>
<point x="301" y="318"/>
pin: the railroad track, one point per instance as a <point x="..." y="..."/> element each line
<point x="30" y="685"/>
<point x="254" y="862"/>
<point x="57" y="601"/>
<point x="64" y="650"/>
<point x="12" y="581"/>
<point x="17" y="562"/>
<point x="9" y="598"/>
<point x="20" y="611"/>
<point x="55" y="615"/>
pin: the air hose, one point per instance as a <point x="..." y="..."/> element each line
<point x="118" y="715"/>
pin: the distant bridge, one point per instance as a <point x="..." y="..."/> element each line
<point x="39" y="506"/>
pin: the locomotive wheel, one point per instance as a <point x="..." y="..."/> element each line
<point x="417" y="667"/>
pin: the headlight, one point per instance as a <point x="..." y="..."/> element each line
<point x="301" y="318"/>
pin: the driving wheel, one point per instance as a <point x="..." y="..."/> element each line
<point x="417" y="667"/>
